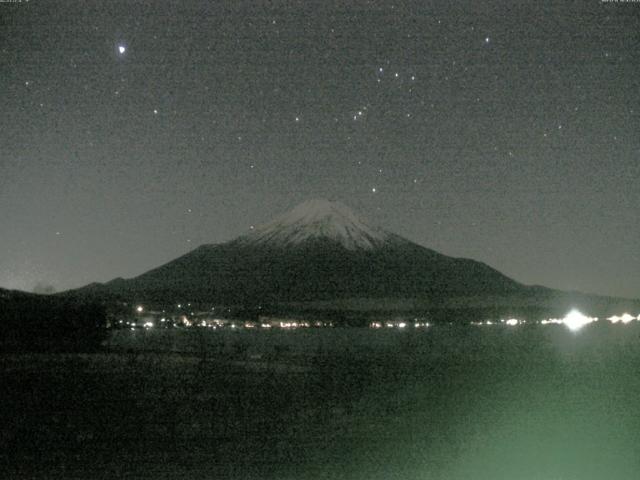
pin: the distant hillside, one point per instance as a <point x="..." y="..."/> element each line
<point x="34" y="322"/>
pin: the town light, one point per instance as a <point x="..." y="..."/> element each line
<point x="575" y="320"/>
<point x="626" y="318"/>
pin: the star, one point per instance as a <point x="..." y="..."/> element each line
<point x="155" y="112"/>
<point x="121" y="49"/>
<point x="374" y="190"/>
<point x="487" y="40"/>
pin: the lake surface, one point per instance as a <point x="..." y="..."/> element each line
<point x="449" y="402"/>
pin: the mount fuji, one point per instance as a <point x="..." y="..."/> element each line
<point x="320" y="250"/>
<point x="322" y="253"/>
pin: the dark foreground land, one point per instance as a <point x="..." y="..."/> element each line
<point x="451" y="403"/>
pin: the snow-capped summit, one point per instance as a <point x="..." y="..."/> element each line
<point x="319" y="218"/>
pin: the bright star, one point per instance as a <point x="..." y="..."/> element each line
<point x="121" y="49"/>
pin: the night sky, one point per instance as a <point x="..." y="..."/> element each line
<point x="508" y="132"/>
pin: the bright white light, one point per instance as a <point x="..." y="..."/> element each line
<point x="614" y="319"/>
<point x="512" y="322"/>
<point x="139" y="308"/>
<point x="575" y="320"/>
<point x="552" y="320"/>
<point x="122" y="49"/>
<point x="402" y="325"/>
<point x="148" y="325"/>
<point x="626" y="318"/>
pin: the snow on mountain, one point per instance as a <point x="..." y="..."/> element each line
<point x="316" y="219"/>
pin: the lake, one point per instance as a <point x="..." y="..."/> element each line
<point x="447" y="402"/>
